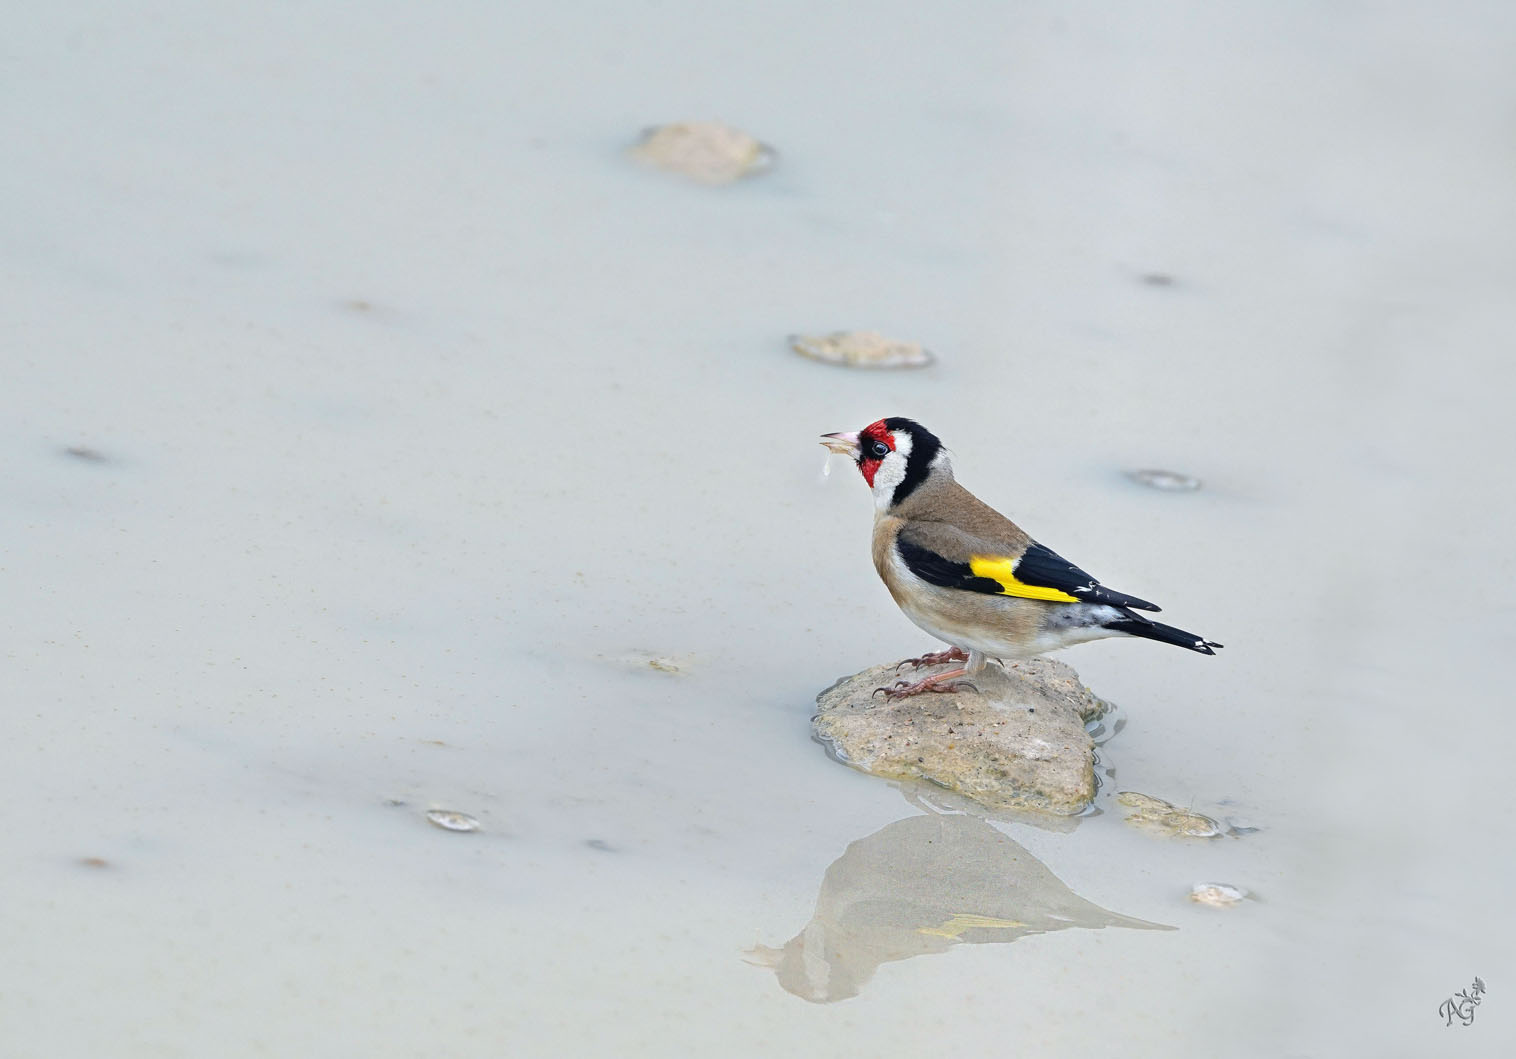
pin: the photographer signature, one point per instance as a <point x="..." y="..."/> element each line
<point x="1461" y="1004"/>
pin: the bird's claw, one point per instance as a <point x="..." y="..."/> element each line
<point x="903" y="689"/>
<point x="934" y="658"/>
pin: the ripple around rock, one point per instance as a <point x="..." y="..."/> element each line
<point x="1018" y="742"/>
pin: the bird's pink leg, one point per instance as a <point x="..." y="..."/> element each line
<point x="948" y="681"/>
<point x="935" y="658"/>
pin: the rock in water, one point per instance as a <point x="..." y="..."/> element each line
<point x="1018" y="742"/>
<point x="1158" y="817"/>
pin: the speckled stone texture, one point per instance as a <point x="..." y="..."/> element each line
<point x="1019" y="742"/>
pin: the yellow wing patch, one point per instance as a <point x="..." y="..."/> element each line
<point x="963" y="921"/>
<point x="1002" y="571"/>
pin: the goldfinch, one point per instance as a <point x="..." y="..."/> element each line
<point x="970" y="576"/>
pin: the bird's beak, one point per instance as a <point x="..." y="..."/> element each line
<point x="842" y="444"/>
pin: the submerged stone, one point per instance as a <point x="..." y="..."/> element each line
<point x="1167" y="481"/>
<point x="705" y="151"/>
<point x="1018" y="742"/>
<point x="1158" y="817"/>
<point x="644" y="661"/>
<point x="861" y="349"/>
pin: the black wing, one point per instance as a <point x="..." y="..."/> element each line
<point x="1046" y="568"/>
<point x="1037" y="573"/>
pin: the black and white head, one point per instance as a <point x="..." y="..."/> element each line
<point x="894" y="456"/>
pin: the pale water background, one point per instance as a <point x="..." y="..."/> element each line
<point x="427" y="418"/>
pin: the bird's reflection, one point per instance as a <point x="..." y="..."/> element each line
<point x="919" y="886"/>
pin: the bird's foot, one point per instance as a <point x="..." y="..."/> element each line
<point x="942" y="682"/>
<point x="935" y="658"/>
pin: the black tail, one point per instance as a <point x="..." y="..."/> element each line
<point x="1132" y="625"/>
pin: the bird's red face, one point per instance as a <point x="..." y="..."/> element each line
<point x="874" y="444"/>
<point x="894" y="455"/>
<point x="869" y="447"/>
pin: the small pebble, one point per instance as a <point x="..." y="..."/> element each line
<point x="861" y="349"/>
<point x="705" y="151"/>
<point x="84" y="452"/>
<point x="452" y="820"/>
<point x="1217" y="895"/>
<point x="1168" y="481"/>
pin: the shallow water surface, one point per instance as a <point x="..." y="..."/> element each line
<point x="380" y="441"/>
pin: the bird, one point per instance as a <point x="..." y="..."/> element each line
<point x="971" y="577"/>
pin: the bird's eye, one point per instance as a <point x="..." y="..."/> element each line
<point x="879" y="450"/>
